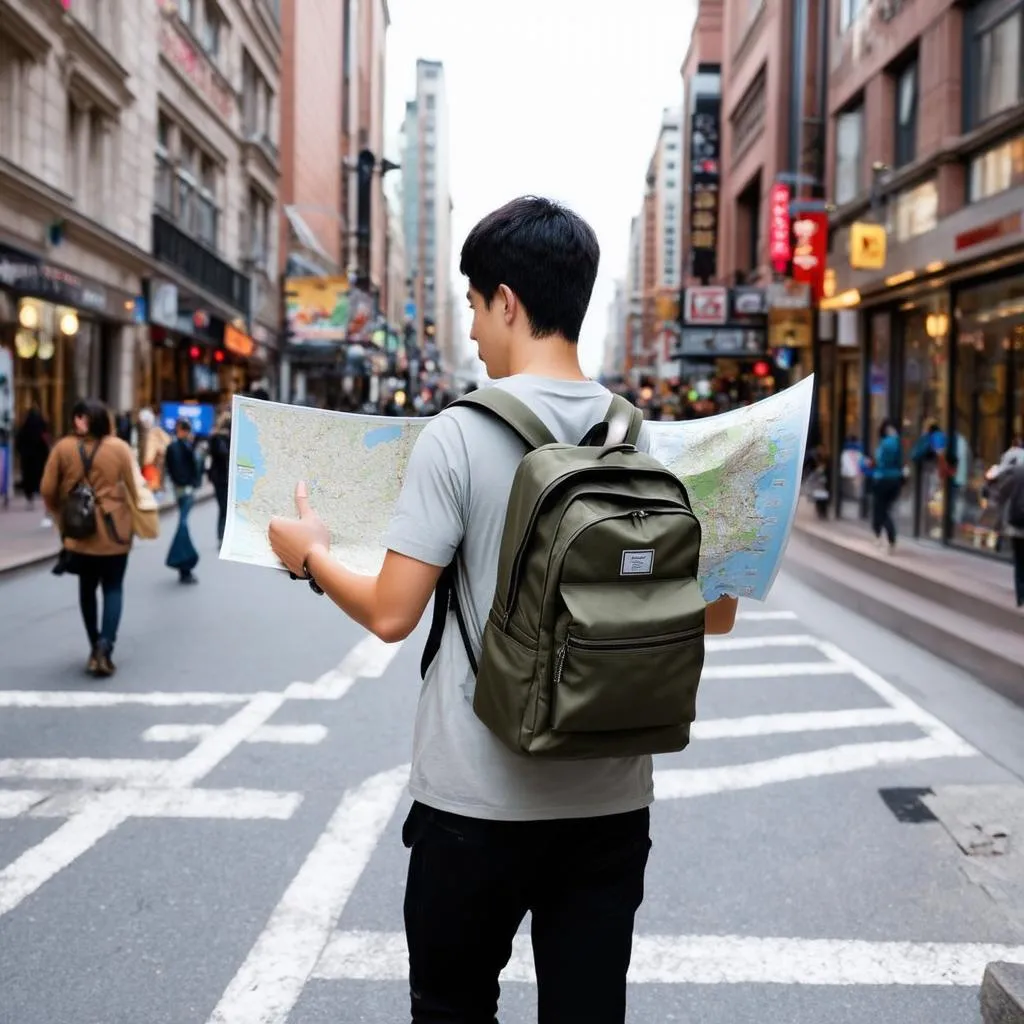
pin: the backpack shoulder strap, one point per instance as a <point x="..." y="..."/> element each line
<point x="446" y="598"/>
<point x="88" y="460"/>
<point x="515" y="414"/>
<point x="620" y="407"/>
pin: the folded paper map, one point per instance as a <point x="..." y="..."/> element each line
<point x="742" y="470"/>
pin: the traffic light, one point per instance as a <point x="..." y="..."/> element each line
<point x="194" y="353"/>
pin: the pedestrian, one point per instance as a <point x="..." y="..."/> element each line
<point x="887" y="477"/>
<point x="183" y="469"/>
<point x="153" y="443"/>
<point x="1008" y="494"/>
<point x="220" y="459"/>
<point x="32" y="443"/>
<point x="96" y="550"/>
<point x="493" y="834"/>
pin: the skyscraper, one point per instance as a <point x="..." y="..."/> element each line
<point x="427" y="209"/>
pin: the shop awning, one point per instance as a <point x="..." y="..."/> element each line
<point x="305" y="235"/>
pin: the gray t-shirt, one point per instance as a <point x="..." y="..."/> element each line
<point x="455" y="492"/>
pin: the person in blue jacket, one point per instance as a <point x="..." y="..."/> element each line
<point x="886" y="481"/>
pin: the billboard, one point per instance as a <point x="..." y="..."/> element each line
<point x="326" y="309"/>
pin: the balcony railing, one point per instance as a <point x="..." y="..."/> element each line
<point x="197" y="263"/>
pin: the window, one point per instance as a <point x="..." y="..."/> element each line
<point x="993" y="53"/>
<point x="13" y="80"/>
<point x="906" y="115"/>
<point x="916" y="210"/>
<point x="849" y="10"/>
<point x="997" y="170"/>
<point x="258" y="229"/>
<point x="849" y="154"/>
<point x="186" y="184"/>
<point x="430" y="100"/>
<point x="187" y="12"/>
<point x="210" y="37"/>
<point x="999" y="52"/>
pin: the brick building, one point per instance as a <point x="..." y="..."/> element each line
<point x="926" y="139"/>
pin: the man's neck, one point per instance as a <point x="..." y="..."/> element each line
<point x="551" y="357"/>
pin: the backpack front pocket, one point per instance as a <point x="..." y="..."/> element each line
<point x="655" y="681"/>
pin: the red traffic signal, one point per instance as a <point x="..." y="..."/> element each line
<point x="761" y="368"/>
<point x="218" y="356"/>
<point x="195" y="352"/>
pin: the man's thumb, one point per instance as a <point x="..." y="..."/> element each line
<point x="302" y="499"/>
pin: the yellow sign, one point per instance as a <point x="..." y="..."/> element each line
<point x="789" y="328"/>
<point x="867" y="246"/>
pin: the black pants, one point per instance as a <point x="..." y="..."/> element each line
<point x="884" y="494"/>
<point x="106" y="571"/>
<point x="471" y="884"/>
<point x="1018" y="569"/>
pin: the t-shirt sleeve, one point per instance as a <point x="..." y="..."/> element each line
<point x="429" y="519"/>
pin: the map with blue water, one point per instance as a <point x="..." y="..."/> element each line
<point x="742" y="471"/>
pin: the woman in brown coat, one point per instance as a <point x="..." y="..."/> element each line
<point x="98" y="560"/>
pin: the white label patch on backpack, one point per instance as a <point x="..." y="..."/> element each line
<point x="637" y="563"/>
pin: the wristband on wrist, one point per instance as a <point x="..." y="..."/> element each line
<point x="308" y="577"/>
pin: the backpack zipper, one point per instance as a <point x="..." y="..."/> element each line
<point x="625" y="644"/>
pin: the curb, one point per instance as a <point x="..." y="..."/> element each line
<point x="975" y="647"/>
<point x="1002" y="994"/>
<point x="39" y="559"/>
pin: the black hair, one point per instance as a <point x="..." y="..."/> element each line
<point x="97" y="417"/>
<point x="886" y="424"/>
<point x="543" y="252"/>
<point x="183" y="424"/>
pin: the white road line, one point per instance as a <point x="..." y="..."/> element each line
<point x="227" y="804"/>
<point x="269" y="983"/>
<point x="307" y="735"/>
<point x="172" y="733"/>
<point x="750" y="616"/>
<point x="38" y="865"/>
<point x="682" y="783"/>
<point x="896" y="698"/>
<point x="84" y="769"/>
<point x="369" y="659"/>
<point x="304" y="735"/>
<point x="781" y="671"/>
<point x="714" y="645"/>
<point x="222" y="742"/>
<point x="102" y="815"/>
<point x="797" y="721"/>
<point x="109" y="699"/>
<point x="16" y="802"/>
<point x="711" y="960"/>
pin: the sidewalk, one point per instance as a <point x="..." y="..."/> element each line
<point x="958" y="605"/>
<point x="24" y="540"/>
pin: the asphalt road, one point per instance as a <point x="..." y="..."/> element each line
<point x="213" y="835"/>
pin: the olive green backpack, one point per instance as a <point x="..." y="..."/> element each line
<point x="594" y="644"/>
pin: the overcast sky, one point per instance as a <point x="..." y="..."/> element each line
<point x="561" y="98"/>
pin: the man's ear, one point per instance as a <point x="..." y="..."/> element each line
<point x="510" y="301"/>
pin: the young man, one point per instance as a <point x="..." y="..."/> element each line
<point x="493" y="834"/>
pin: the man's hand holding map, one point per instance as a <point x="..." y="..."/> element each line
<point x="742" y="470"/>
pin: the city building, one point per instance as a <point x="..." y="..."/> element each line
<point x="634" y="301"/>
<point x="213" y="302"/>
<point x="926" y="170"/>
<point x="614" y="355"/>
<point x="427" y="214"/>
<point x="78" y="118"/>
<point x="313" y="232"/>
<point x="335" y="235"/>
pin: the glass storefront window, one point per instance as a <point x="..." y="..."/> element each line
<point x="997" y="170"/>
<point x="879" y="372"/>
<point x="925" y="331"/>
<point x="990" y="355"/>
